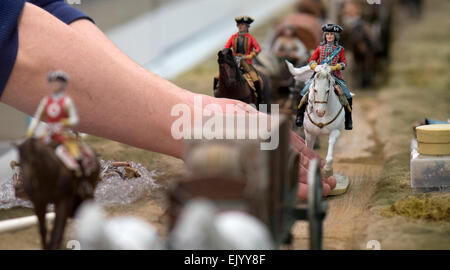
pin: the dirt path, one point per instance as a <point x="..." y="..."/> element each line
<point x="359" y="155"/>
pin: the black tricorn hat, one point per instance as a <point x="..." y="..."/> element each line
<point x="329" y="27"/>
<point x="244" y="19"/>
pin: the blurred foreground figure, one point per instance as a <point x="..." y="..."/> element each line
<point x="289" y="47"/>
<point x="56" y="168"/>
<point x="58" y="110"/>
<point x="95" y="231"/>
<point x="201" y="226"/>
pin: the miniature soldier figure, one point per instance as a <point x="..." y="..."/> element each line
<point x="245" y="48"/>
<point x="59" y="112"/>
<point x="331" y="53"/>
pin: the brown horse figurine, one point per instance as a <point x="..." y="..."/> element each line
<point x="358" y="38"/>
<point x="46" y="180"/>
<point x="232" y="83"/>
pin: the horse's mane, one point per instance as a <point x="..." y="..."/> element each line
<point x="232" y="63"/>
<point x="36" y="151"/>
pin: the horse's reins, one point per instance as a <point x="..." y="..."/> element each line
<point x="321" y="125"/>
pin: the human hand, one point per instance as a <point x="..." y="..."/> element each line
<point x="306" y="156"/>
<point x="299" y="145"/>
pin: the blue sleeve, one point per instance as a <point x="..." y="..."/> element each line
<point x="61" y="10"/>
<point x="9" y="13"/>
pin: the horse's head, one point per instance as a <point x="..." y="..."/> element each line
<point x="29" y="153"/>
<point x="26" y="149"/>
<point x="226" y="57"/>
<point x="229" y="69"/>
<point x="320" y="90"/>
<point x="33" y="151"/>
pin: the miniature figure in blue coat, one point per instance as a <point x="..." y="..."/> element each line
<point x="331" y="53"/>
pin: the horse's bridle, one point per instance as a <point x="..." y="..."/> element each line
<point x="321" y="125"/>
<point x="319" y="101"/>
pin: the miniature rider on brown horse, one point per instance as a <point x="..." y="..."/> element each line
<point x="245" y="48"/>
<point x="60" y="114"/>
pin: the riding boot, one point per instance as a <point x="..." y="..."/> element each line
<point x="258" y="89"/>
<point x="80" y="171"/>
<point x="84" y="187"/>
<point x="300" y="113"/>
<point x="348" y="115"/>
<point x="216" y="82"/>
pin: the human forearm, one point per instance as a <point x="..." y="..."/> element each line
<point x="115" y="98"/>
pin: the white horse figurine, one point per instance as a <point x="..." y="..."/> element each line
<point x="324" y="113"/>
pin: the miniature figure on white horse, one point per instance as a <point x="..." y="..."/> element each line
<point x="324" y="113"/>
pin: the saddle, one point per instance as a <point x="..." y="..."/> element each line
<point x="88" y="159"/>
<point x="250" y="82"/>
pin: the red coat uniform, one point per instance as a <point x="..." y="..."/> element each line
<point x="320" y="55"/>
<point x="250" y="44"/>
<point x="55" y="111"/>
